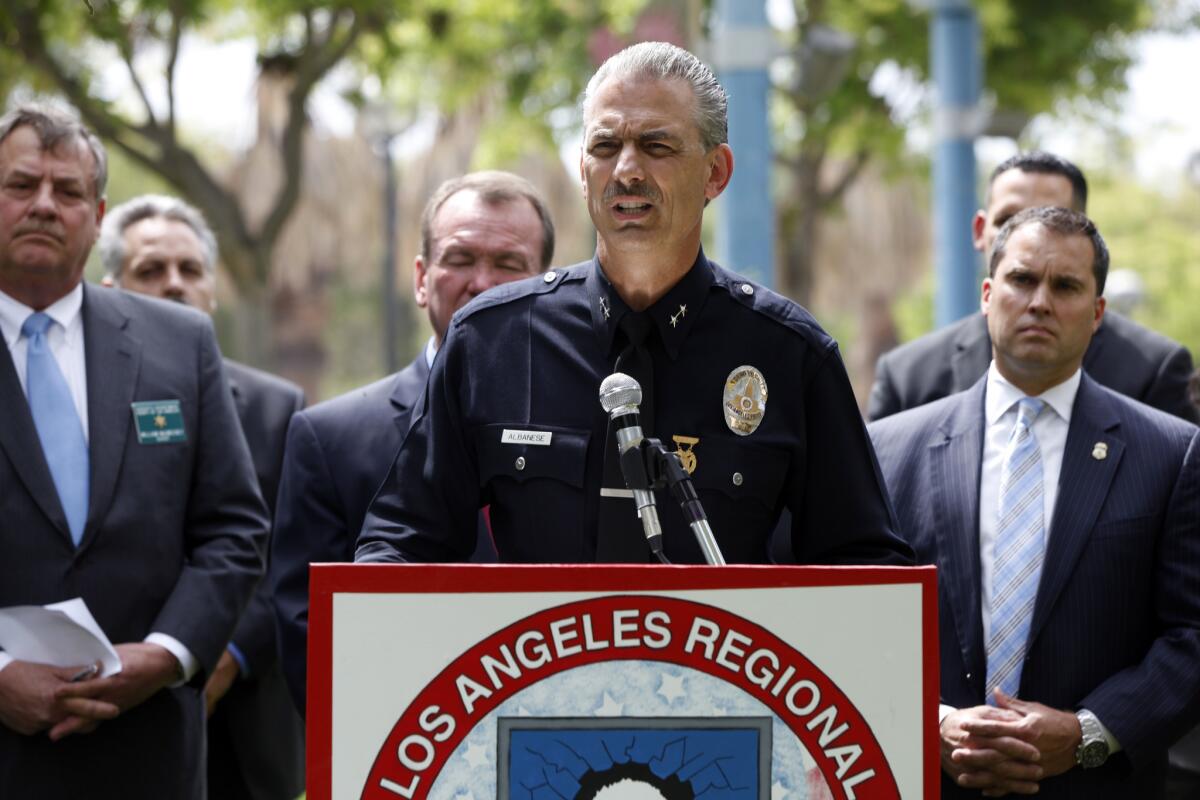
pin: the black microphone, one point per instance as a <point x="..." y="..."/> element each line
<point x="620" y="396"/>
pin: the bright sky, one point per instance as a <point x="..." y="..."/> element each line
<point x="215" y="89"/>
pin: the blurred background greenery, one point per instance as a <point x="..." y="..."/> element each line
<point x="275" y="119"/>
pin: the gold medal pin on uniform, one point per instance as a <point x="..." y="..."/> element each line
<point x="683" y="450"/>
<point x="744" y="400"/>
<point x="1100" y="451"/>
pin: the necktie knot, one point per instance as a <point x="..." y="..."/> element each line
<point x="1028" y="409"/>
<point x="636" y="325"/>
<point x="36" y="324"/>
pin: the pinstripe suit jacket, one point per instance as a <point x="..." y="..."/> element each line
<point x="1116" y="624"/>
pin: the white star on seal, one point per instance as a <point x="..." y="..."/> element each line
<point x="671" y="687"/>
<point x="476" y="756"/>
<point x="610" y="707"/>
<point x="778" y="792"/>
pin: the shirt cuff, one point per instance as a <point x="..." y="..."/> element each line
<point x="240" y="658"/>
<point x="944" y="711"/>
<point x="5" y="659"/>
<point x="188" y="665"/>
<point x="1113" y="745"/>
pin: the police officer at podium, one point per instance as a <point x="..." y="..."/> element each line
<point x="743" y="384"/>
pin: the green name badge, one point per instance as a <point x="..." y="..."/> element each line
<point x="158" y="422"/>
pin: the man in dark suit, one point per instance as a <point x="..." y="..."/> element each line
<point x="1123" y="355"/>
<point x="1062" y="518"/>
<point x="477" y="231"/>
<point x="162" y="247"/>
<point x="127" y="482"/>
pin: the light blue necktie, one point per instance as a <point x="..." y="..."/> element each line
<point x="1020" y="539"/>
<point x="57" y="424"/>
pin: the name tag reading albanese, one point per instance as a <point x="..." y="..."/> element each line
<point x="525" y="437"/>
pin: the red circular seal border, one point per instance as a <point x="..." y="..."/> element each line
<point x="442" y="691"/>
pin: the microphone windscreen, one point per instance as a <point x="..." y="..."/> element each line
<point x="619" y="390"/>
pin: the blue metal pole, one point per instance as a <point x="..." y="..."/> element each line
<point x="743" y="44"/>
<point x="954" y="35"/>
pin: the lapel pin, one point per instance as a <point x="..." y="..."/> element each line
<point x="1100" y="451"/>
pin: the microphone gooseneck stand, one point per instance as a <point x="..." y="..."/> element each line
<point x="647" y="465"/>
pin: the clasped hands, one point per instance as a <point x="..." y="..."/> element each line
<point x="1009" y="747"/>
<point x="39" y="697"/>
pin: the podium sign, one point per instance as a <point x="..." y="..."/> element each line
<point x="537" y="682"/>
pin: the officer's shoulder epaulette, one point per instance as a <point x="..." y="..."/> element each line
<point x="515" y="291"/>
<point x="774" y="306"/>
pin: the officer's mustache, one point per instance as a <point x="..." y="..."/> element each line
<point x="618" y="189"/>
<point x="53" y="231"/>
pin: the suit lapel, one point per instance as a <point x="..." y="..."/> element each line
<point x="112" y="356"/>
<point x="407" y="387"/>
<point x="955" y="464"/>
<point x="19" y="439"/>
<point x="239" y="396"/>
<point x="972" y="354"/>
<point x="1083" y="485"/>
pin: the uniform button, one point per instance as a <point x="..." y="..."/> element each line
<point x="550" y="276"/>
<point x="747" y="289"/>
<point x="970" y="676"/>
<point x="737" y="479"/>
<point x="520" y="463"/>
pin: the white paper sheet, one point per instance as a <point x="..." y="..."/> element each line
<point x="63" y="634"/>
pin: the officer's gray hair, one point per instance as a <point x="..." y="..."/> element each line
<point x="56" y="123"/>
<point x="663" y="61"/>
<point x="150" y="206"/>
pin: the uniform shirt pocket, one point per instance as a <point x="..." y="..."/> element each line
<point x="525" y="453"/>
<point x="741" y="470"/>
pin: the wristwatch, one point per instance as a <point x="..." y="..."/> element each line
<point x="1093" y="748"/>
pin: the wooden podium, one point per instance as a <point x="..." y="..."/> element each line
<point x="554" y="681"/>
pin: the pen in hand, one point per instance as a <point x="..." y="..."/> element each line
<point x="85" y="673"/>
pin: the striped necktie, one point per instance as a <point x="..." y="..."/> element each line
<point x="1020" y="540"/>
<point x="57" y="423"/>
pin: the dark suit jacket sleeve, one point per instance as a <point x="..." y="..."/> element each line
<point x="884" y="401"/>
<point x="310" y="527"/>
<point x="255" y="633"/>
<point x="1169" y="391"/>
<point x="426" y="510"/>
<point x="844" y="516"/>
<point x="226" y="523"/>
<point x="1152" y="703"/>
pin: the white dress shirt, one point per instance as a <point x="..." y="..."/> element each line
<point x="1050" y="430"/>
<point x="65" y="338"/>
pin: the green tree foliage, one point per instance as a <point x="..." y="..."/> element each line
<point x="1155" y="233"/>
<point x="425" y="52"/>
<point x="1035" y="53"/>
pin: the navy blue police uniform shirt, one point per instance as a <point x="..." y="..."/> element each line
<point x="530" y="356"/>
